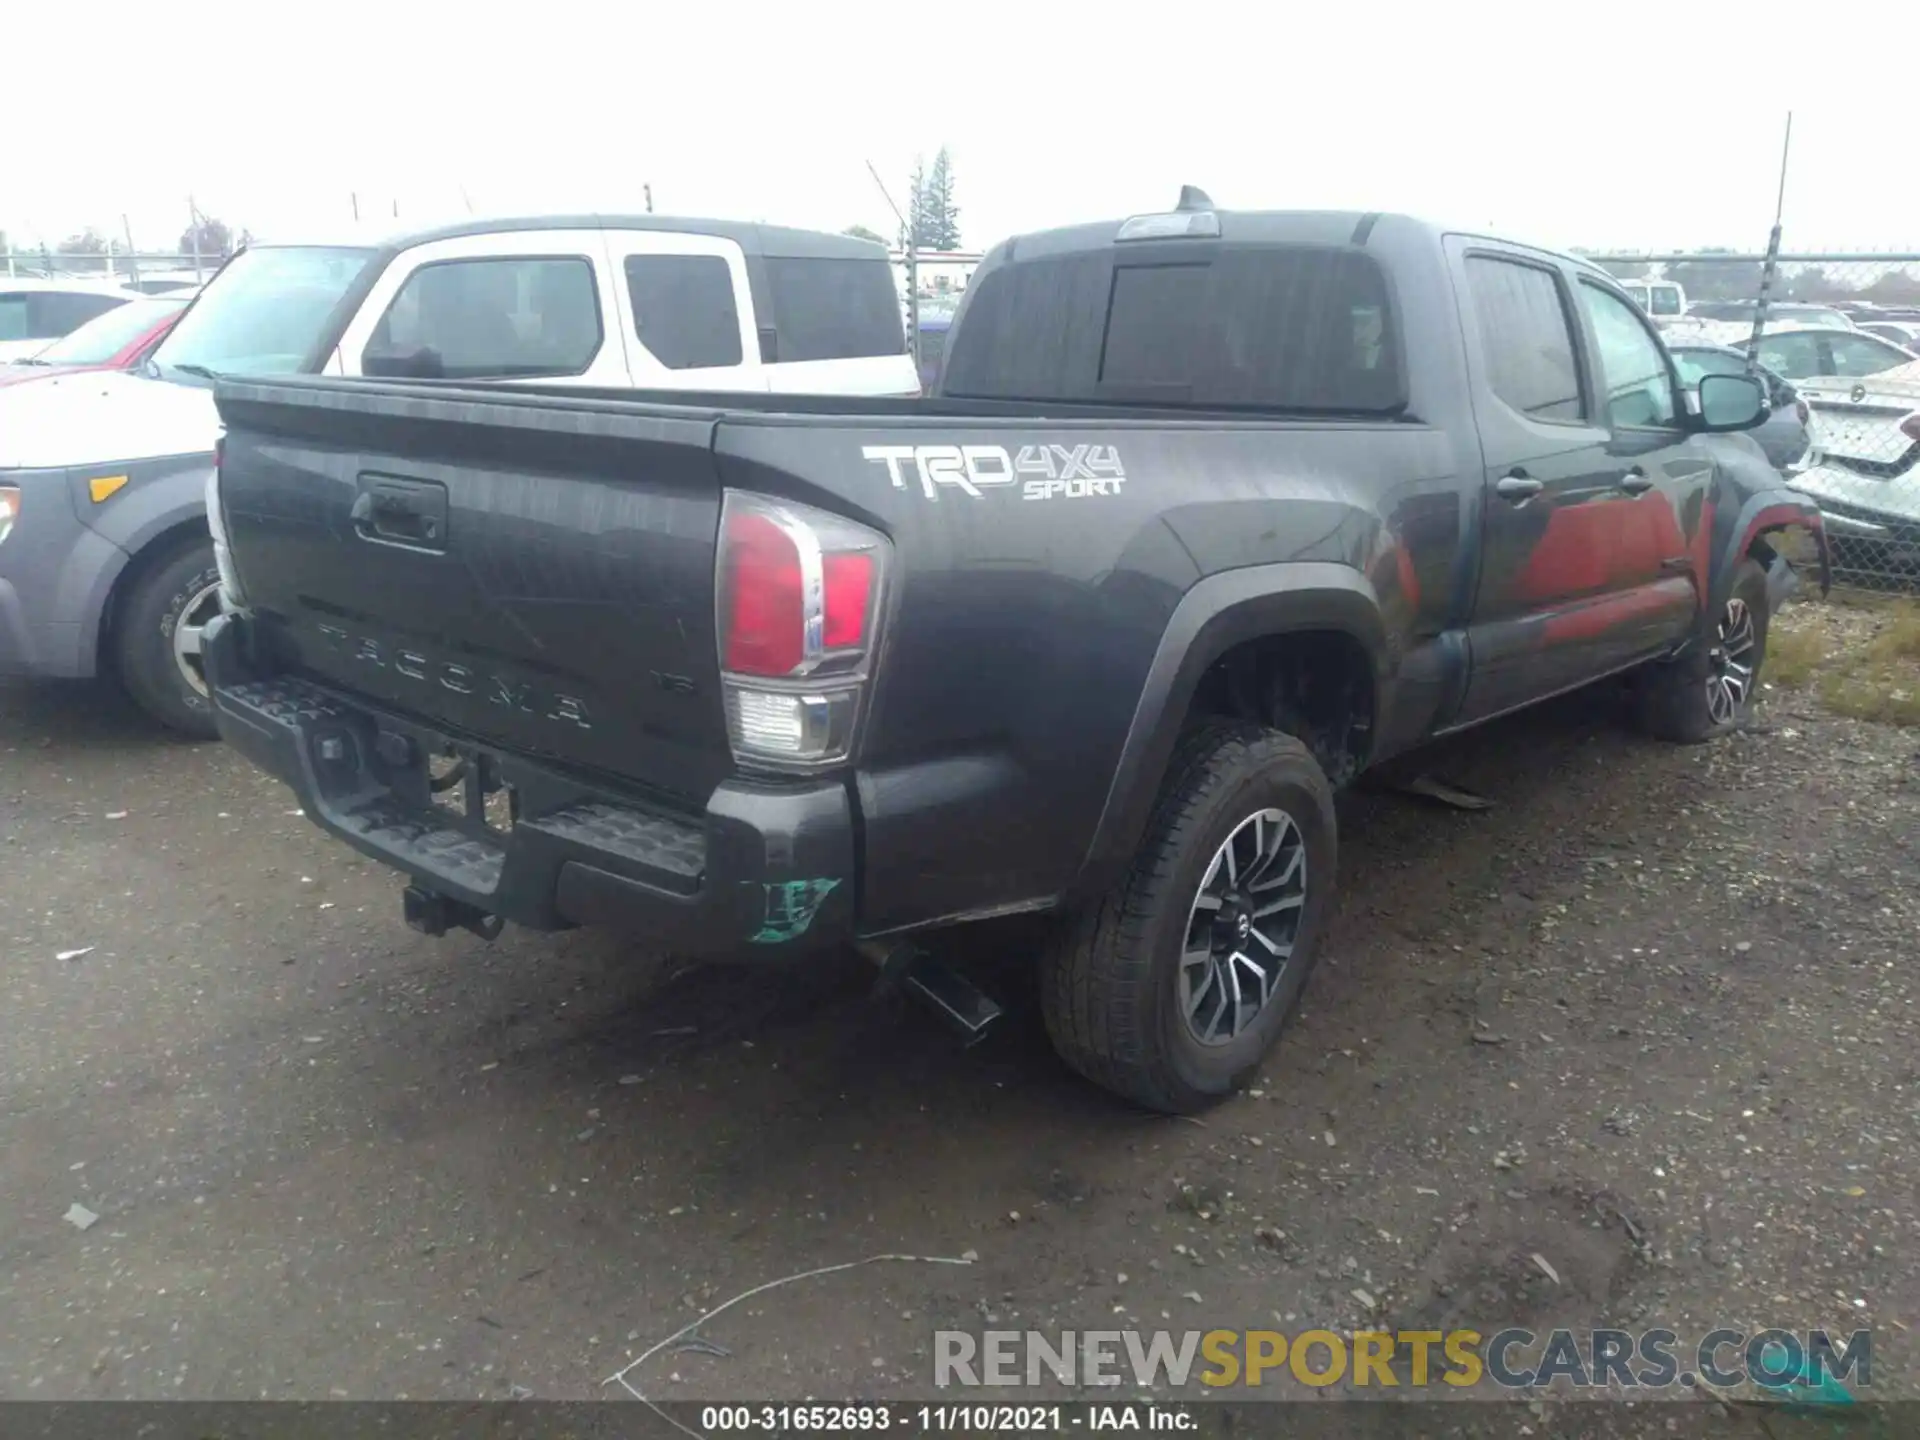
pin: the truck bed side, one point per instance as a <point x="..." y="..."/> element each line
<point x="566" y="611"/>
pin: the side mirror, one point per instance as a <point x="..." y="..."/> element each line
<point x="1731" y="402"/>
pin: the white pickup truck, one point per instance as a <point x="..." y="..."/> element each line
<point x="106" y="562"/>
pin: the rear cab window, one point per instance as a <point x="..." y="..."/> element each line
<point x="1287" y="327"/>
<point x="1526" y="338"/>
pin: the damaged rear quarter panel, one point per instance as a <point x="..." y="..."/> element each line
<point x="1019" y="632"/>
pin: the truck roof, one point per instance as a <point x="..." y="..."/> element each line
<point x="772" y="241"/>
<point x="1263" y="227"/>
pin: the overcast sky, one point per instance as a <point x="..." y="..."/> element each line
<point x="1605" y="126"/>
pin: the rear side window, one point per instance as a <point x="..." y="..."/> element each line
<point x="1274" y="327"/>
<point x="50" y="314"/>
<point x="684" y="310"/>
<point x="1856" y="355"/>
<point x="490" y="317"/>
<point x="1793" y="355"/>
<point x="1526" y="337"/>
<point x="827" y="309"/>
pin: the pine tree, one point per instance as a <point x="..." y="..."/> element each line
<point x="943" y="214"/>
<point x="919" y="228"/>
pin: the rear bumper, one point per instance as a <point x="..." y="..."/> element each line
<point x="765" y="868"/>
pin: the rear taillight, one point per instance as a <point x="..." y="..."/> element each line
<point x="1800" y="409"/>
<point x="1910" y="427"/>
<point x="799" y="595"/>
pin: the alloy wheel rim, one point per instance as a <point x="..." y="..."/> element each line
<point x="188" y="632"/>
<point x="1730" y="671"/>
<point x="1242" y="927"/>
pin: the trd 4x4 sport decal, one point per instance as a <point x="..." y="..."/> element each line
<point x="1043" y="472"/>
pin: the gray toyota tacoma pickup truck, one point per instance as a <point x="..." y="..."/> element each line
<point x="1212" y="512"/>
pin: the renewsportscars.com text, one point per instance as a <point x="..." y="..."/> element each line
<point x="1512" y="1359"/>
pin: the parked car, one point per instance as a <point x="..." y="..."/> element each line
<point x="119" y="339"/>
<point x="933" y="345"/>
<point x="1781" y="314"/>
<point x="168" y="282"/>
<point x="1865" y="470"/>
<point x="1176" y="549"/>
<point x="122" y="577"/>
<point x="35" y="313"/>
<point x="1784" y="436"/>
<point x="1810" y="354"/>
<point x="1663" y="300"/>
<point x="1904" y="333"/>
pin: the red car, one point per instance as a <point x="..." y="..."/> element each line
<point x="118" y="340"/>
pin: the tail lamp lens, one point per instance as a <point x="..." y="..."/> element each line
<point x="799" y="594"/>
<point x="9" y="509"/>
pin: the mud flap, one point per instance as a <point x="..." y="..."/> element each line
<point x="1783" y="584"/>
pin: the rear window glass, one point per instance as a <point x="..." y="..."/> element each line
<point x="105" y="336"/>
<point x="833" y="309"/>
<point x="1287" y="328"/>
<point x="684" y="310"/>
<point x="50" y="314"/>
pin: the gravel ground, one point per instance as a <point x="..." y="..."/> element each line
<point x="1650" y="1019"/>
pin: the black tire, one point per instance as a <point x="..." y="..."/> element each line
<point x="1110" y="983"/>
<point x="1676" y="700"/>
<point x="150" y="611"/>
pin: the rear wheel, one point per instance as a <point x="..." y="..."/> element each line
<point x="157" y="633"/>
<point x="1172" y="988"/>
<point x="1709" y="691"/>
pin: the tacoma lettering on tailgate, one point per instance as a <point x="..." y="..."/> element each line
<point x="460" y="679"/>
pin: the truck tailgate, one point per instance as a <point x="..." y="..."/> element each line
<point x="538" y="576"/>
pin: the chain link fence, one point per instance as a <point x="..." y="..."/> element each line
<point x="137" y="270"/>
<point x="1841" y="354"/>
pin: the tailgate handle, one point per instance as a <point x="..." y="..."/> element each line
<point x="392" y="511"/>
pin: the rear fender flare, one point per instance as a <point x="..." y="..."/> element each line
<point x="1764" y="510"/>
<point x="1217" y="614"/>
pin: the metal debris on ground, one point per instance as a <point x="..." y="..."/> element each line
<point x="75" y="954"/>
<point x="1540" y="1262"/>
<point x="1427" y="787"/>
<point x="619" y="1377"/>
<point x="80" y="1217"/>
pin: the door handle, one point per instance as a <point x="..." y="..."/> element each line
<point x="401" y="512"/>
<point x="1517" y="488"/>
<point x="1636" y="481"/>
